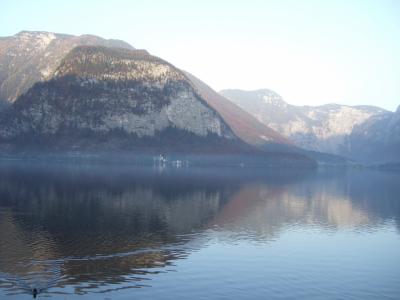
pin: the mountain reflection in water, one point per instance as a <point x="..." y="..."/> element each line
<point x="75" y="229"/>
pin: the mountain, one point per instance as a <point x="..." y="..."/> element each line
<point x="378" y="138"/>
<point x="244" y="125"/>
<point x="327" y="128"/>
<point x="255" y="133"/>
<point x="111" y="99"/>
<point x="32" y="56"/>
<point x="100" y="95"/>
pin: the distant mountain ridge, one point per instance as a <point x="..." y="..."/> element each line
<point x="255" y="133"/>
<point x="330" y="128"/>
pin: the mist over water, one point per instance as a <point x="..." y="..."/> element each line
<point x="114" y="231"/>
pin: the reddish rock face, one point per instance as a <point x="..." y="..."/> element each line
<point x="244" y="125"/>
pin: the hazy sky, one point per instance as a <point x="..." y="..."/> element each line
<point x="310" y="52"/>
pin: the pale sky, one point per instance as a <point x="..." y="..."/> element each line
<point x="310" y="52"/>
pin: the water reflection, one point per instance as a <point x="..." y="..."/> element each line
<point x="104" y="228"/>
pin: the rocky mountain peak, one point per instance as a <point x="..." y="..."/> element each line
<point x="259" y="97"/>
<point x="42" y="38"/>
<point x="272" y="98"/>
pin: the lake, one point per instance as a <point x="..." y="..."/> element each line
<point x="76" y="231"/>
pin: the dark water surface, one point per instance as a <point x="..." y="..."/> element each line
<point x="114" y="232"/>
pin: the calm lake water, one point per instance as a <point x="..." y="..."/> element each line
<point x="115" y="232"/>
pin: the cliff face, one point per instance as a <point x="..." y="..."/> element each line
<point x="377" y="139"/>
<point x="99" y="91"/>
<point x="330" y="128"/>
<point x="32" y="56"/>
